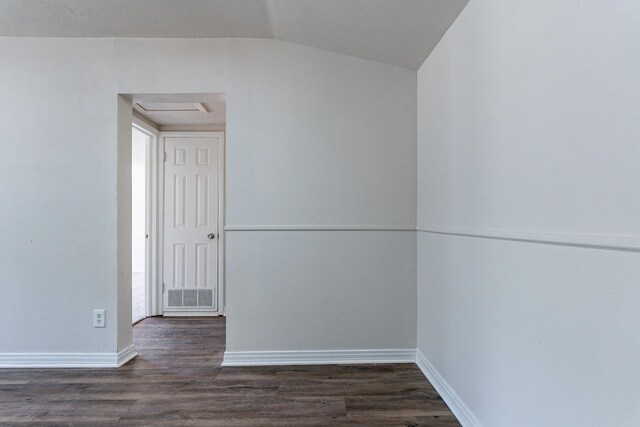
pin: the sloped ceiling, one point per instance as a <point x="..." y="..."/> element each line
<point x="397" y="32"/>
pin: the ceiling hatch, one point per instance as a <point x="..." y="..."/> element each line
<point x="172" y="107"/>
<point x="181" y="110"/>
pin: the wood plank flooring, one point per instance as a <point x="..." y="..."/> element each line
<point x="177" y="380"/>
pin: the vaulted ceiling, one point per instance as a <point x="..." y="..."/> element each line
<point x="397" y="32"/>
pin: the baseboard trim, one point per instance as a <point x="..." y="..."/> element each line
<point x="450" y="397"/>
<point x="317" y="357"/>
<point x="67" y="360"/>
<point x="126" y="355"/>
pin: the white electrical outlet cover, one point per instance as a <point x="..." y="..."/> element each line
<point x="99" y="319"/>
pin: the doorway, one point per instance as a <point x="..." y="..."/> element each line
<point x="177" y="204"/>
<point x="140" y="146"/>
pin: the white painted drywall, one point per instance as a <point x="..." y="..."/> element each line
<point x="124" y="112"/>
<point x="314" y="138"/>
<point x="58" y="216"/>
<point x="138" y="200"/>
<point x="319" y="278"/>
<point x="529" y="121"/>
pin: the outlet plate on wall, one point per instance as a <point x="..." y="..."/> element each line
<point x="99" y="318"/>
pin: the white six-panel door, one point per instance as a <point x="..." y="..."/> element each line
<point x="191" y="226"/>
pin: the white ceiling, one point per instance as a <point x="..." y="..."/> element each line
<point x="397" y="32"/>
<point x="178" y="109"/>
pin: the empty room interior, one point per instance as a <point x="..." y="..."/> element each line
<point x="320" y="213"/>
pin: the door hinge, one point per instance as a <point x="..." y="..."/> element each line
<point x="164" y="156"/>
<point x="163" y="288"/>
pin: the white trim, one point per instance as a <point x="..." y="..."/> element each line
<point x="317" y="357"/>
<point x="67" y="360"/>
<point x="193" y="128"/>
<point x="159" y="246"/>
<point x="618" y="243"/>
<point x="126" y="355"/>
<point x="144" y="126"/>
<point x="143" y="122"/>
<point x="155" y="264"/>
<point x="320" y="228"/>
<point x="222" y="163"/>
<point x="149" y="305"/>
<point x="189" y="134"/>
<point x="453" y="401"/>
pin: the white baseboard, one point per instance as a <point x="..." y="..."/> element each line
<point x="261" y="358"/>
<point x="317" y="357"/>
<point x="126" y="355"/>
<point x="453" y="401"/>
<point x="67" y="360"/>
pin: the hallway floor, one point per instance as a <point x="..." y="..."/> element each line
<point x="177" y="380"/>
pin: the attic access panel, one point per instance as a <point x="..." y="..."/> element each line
<point x="171" y="107"/>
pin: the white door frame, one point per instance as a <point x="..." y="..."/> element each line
<point x="151" y="224"/>
<point x="159" y="246"/>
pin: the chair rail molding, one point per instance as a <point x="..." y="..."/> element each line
<point x="593" y="241"/>
<point x="320" y="228"/>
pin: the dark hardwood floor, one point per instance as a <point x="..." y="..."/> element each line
<point x="177" y="380"/>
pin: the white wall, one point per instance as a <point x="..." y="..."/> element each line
<point x="335" y="290"/>
<point x="138" y="199"/>
<point x="123" y="202"/>
<point x="528" y="122"/>
<point x="314" y="138"/>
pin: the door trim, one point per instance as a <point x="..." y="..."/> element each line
<point x="221" y="306"/>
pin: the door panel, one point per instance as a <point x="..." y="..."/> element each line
<point x="191" y="224"/>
